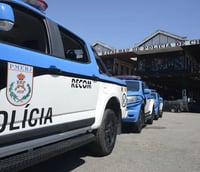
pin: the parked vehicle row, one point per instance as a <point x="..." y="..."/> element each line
<point x="143" y="104"/>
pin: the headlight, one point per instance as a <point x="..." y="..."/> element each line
<point x="134" y="99"/>
<point x="124" y="100"/>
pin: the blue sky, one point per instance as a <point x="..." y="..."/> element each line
<point x="124" y="23"/>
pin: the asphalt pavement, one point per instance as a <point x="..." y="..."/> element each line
<point x="170" y="144"/>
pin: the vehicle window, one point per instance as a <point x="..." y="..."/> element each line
<point x="28" y="31"/>
<point x="101" y="65"/>
<point x="132" y="86"/>
<point x="73" y="47"/>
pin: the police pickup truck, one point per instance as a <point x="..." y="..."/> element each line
<point x="139" y="103"/>
<point x="54" y="93"/>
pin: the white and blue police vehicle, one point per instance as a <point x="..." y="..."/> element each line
<point x="158" y="104"/>
<point x="138" y="103"/>
<point x="54" y="94"/>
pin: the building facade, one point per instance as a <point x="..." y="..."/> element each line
<point x="118" y="62"/>
<point x="167" y="62"/>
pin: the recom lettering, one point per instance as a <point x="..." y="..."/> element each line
<point x="81" y="83"/>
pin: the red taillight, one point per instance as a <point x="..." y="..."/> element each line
<point x="39" y="4"/>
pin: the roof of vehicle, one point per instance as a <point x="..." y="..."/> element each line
<point x="152" y="89"/>
<point x="128" y="77"/>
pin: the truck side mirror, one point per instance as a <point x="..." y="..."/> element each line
<point x="6" y="17"/>
<point x="147" y="91"/>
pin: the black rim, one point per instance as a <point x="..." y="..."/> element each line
<point x="110" y="133"/>
<point x="140" y="121"/>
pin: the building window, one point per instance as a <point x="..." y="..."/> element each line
<point x="162" y="63"/>
<point x="116" y="71"/>
<point x="122" y="70"/>
<point x="127" y="70"/>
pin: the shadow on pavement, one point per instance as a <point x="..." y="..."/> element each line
<point x="62" y="163"/>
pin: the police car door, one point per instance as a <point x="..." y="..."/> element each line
<point x="81" y="89"/>
<point x="40" y="92"/>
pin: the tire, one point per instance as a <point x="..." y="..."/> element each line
<point x="161" y="114"/>
<point x="139" y="124"/>
<point x="150" y="121"/>
<point x="172" y="110"/>
<point x="105" y="135"/>
<point x="156" y="117"/>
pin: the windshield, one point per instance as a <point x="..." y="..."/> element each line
<point x="132" y="85"/>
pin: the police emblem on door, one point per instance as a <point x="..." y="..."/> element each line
<point x="19" y="83"/>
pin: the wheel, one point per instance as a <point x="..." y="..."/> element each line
<point x="105" y="135"/>
<point x="161" y="114"/>
<point x="156" y="117"/>
<point x="139" y="124"/>
<point x="178" y="110"/>
<point x="150" y="121"/>
<point x="172" y="110"/>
